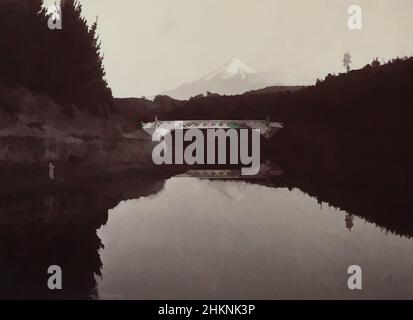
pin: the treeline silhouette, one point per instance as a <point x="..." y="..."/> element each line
<point x="65" y="64"/>
<point x="346" y="140"/>
<point x="345" y="95"/>
<point x="360" y="119"/>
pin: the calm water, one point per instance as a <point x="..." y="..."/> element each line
<point x="225" y="239"/>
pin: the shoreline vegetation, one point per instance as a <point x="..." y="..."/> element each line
<point x="359" y="119"/>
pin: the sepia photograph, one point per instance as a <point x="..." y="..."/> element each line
<point x="189" y="151"/>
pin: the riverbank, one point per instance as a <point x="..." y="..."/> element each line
<point x="22" y="180"/>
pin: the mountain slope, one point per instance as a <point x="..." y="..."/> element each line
<point x="234" y="77"/>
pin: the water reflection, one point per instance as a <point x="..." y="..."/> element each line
<point x="225" y="239"/>
<point x="188" y="238"/>
<point x="39" y="231"/>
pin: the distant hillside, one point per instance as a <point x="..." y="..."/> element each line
<point x="141" y="109"/>
<point x="358" y="121"/>
<point x="345" y="96"/>
<point x="275" y="89"/>
<point x="136" y="109"/>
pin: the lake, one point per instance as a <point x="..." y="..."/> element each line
<point x="206" y="239"/>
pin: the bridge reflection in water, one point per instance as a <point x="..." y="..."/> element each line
<point x="188" y="238"/>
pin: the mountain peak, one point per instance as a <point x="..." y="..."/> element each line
<point x="234" y="68"/>
<point x="234" y="77"/>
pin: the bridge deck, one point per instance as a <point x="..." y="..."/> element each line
<point x="266" y="128"/>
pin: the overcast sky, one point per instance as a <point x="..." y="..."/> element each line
<point x="155" y="45"/>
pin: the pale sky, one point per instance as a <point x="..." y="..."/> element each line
<point x="155" y="45"/>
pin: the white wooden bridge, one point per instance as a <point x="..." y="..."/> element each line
<point x="267" y="128"/>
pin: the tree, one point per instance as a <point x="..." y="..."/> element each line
<point x="79" y="73"/>
<point x="376" y="63"/>
<point x="347" y="61"/>
<point x="21" y="40"/>
<point x="65" y="64"/>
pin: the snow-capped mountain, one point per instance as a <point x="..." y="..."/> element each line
<point x="236" y="68"/>
<point x="234" y="77"/>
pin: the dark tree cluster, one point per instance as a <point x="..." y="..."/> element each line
<point x="65" y="64"/>
<point x="356" y="124"/>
